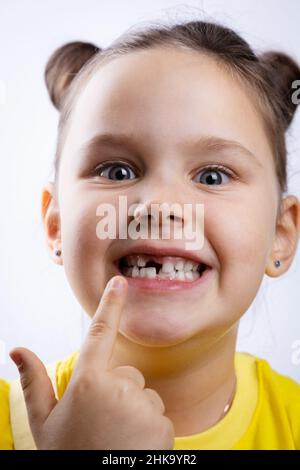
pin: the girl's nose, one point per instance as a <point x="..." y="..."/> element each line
<point x="165" y="209"/>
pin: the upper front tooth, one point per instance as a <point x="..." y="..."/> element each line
<point x="130" y="260"/>
<point x="188" y="265"/>
<point x="141" y="262"/>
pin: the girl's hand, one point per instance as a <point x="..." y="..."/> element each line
<point x="101" y="408"/>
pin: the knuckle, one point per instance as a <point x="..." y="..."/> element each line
<point x="124" y="392"/>
<point x="167" y="423"/>
<point x="26" y="382"/>
<point x="167" y="431"/>
<point x="152" y="393"/>
<point x="126" y="385"/>
<point x="131" y="372"/>
<point x="137" y="373"/>
<point x="155" y="398"/>
<point x="98" y="329"/>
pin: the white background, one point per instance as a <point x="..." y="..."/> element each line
<point x="38" y="308"/>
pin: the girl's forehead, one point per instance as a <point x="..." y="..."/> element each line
<point x="167" y="94"/>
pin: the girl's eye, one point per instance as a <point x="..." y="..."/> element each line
<point x="115" y="171"/>
<point x="212" y="176"/>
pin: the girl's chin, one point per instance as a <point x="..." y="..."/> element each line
<point x="151" y="328"/>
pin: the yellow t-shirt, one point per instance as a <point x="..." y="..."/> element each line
<point x="265" y="413"/>
<point x="6" y="440"/>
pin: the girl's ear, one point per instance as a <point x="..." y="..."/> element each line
<point x="51" y="222"/>
<point x="286" y="237"/>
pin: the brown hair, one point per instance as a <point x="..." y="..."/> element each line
<point x="269" y="76"/>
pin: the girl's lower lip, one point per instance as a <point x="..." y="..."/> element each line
<point x="168" y="285"/>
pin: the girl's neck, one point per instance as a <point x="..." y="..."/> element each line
<point x="194" y="379"/>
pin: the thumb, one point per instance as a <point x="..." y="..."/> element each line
<point x="37" y="387"/>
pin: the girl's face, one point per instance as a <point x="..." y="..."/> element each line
<point x="166" y="100"/>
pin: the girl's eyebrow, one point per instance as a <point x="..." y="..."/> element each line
<point x="205" y="144"/>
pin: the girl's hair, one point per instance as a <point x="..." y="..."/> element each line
<point x="268" y="77"/>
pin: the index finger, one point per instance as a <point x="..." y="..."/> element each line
<point x="99" y="343"/>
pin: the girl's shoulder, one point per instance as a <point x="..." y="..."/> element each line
<point x="269" y="378"/>
<point x="272" y="385"/>
<point x="278" y="406"/>
<point x="276" y="383"/>
<point x="275" y="423"/>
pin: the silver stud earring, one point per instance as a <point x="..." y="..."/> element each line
<point x="277" y="263"/>
<point x="57" y="253"/>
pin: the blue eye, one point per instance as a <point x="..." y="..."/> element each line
<point x="211" y="176"/>
<point x="115" y="171"/>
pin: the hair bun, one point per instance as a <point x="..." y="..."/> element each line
<point x="283" y="71"/>
<point x="63" y="65"/>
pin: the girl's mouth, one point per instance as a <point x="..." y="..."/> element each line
<point x="162" y="272"/>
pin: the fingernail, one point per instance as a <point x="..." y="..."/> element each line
<point x="17" y="358"/>
<point x="116" y="283"/>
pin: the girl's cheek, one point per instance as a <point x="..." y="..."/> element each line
<point x="240" y="231"/>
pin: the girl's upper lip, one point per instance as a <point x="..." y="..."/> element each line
<point x="160" y="250"/>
